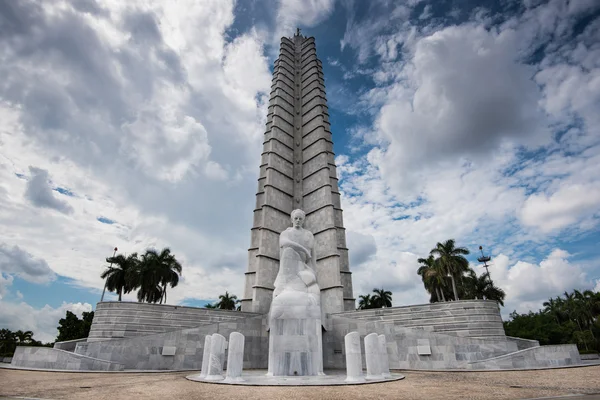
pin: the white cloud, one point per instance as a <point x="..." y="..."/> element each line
<point x="292" y="14"/>
<point x="41" y="321"/>
<point x="40" y="193"/>
<point x="136" y="121"/>
<point x="528" y="285"/>
<point x="561" y="209"/>
<point x="18" y="262"/>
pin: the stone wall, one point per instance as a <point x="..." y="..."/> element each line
<point x="49" y="358"/>
<point x="464" y="318"/>
<point x="536" y="357"/>
<point x="128" y="319"/>
<point x="145" y="352"/>
<point x="68" y="345"/>
<point x="523" y="344"/>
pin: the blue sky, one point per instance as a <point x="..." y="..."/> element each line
<point x="139" y="124"/>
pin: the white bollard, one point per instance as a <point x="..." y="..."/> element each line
<point x="205" y="356"/>
<point x="353" y="358"/>
<point x="385" y="361"/>
<point x="235" y="357"/>
<point x="217" y="356"/>
<point x="372" y="356"/>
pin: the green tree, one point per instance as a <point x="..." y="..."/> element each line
<point x="481" y="287"/>
<point x="365" y="302"/>
<point x="432" y="275"/>
<point x="451" y="259"/>
<point x="118" y="275"/>
<point x="8" y="342"/>
<point x="381" y="298"/>
<point x="23" y="336"/>
<point x="227" y="301"/>
<point x="71" y="327"/>
<point x="153" y="273"/>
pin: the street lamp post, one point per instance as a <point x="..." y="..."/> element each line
<point x="104" y="290"/>
<point x="485" y="259"/>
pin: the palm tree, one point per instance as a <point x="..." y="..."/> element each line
<point x="433" y="276"/>
<point x="227" y="301"/>
<point x="23" y="337"/>
<point x="146" y="277"/>
<point x="211" y="305"/>
<point x="166" y="267"/>
<point x="118" y="275"/>
<point x="381" y="298"/>
<point x="365" y="302"/>
<point x="452" y="260"/>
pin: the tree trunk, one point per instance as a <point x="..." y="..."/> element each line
<point x="454" y="287"/>
<point x="120" y="291"/>
<point x="442" y="293"/>
<point x="438" y="294"/>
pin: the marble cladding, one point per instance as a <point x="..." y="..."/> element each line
<point x="49" y="358"/>
<point x="235" y="357"/>
<point x="465" y="318"/>
<point x="298" y="165"/>
<point x="205" y="356"/>
<point x="373" y="356"/>
<point x="353" y="358"/>
<point x="383" y="357"/>
<point x="127" y="319"/>
<point x="447" y="351"/>
<point x="216" y="361"/>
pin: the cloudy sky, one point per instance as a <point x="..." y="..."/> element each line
<point x="139" y="124"/>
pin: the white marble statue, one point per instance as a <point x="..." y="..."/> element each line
<point x="295" y="341"/>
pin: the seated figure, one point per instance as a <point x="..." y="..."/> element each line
<point x="295" y="342"/>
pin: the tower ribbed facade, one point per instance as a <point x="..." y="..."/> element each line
<point x="298" y="171"/>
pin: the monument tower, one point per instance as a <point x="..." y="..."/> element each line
<point x="298" y="171"/>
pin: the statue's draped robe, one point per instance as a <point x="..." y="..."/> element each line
<point x="295" y="342"/>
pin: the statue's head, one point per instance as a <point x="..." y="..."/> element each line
<point x="298" y="218"/>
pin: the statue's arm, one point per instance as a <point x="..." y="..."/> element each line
<point x="285" y="242"/>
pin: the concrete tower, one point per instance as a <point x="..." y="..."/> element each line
<point x="298" y="171"/>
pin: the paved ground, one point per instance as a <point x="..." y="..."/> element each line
<point x="417" y="385"/>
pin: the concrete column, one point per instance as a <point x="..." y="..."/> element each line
<point x="385" y="361"/>
<point x="217" y="357"/>
<point x="372" y="355"/>
<point x="205" y="356"/>
<point x="235" y="357"/>
<point x="353" y="358"/>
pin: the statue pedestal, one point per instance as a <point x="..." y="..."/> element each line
<point x="295" y="338"/>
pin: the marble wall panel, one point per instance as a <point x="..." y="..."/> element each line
<point x="315" y="148"/>
<point x="315" y="181"/>
<point x="311" y="136"/>
<point x="278" y="199"/>
<point x="317" y="199"/>
<point x="308" y="105"/>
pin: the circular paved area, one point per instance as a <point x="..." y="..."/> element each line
<point x="258" y="377"/>
<point x="417" y="385"/>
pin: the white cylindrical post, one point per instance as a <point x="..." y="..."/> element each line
<point x="205" y="356"/>
<point x="372" y="356"/>
<point x="385" y="361"/>
<point x="353" y="358"/>
<point x="235" y="357"/>
<point x="217" y="356"/>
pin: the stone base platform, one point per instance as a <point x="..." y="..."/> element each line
<point x="258" y="377"/>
